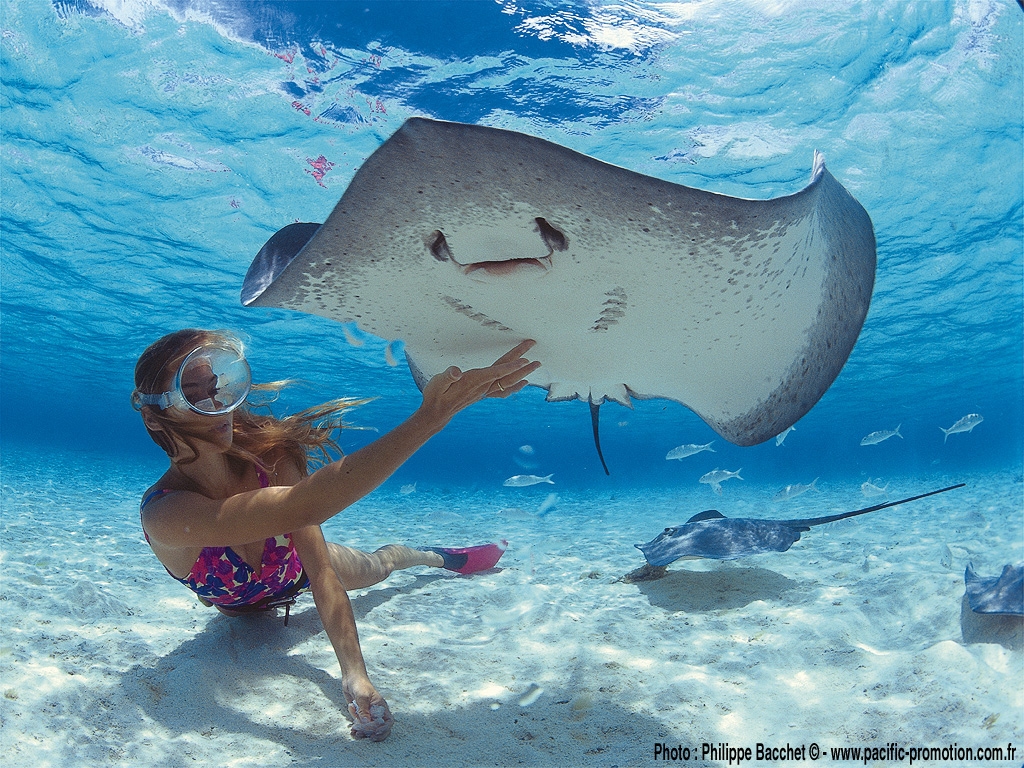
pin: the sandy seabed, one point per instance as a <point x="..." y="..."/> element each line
<point x="856" y="637"/>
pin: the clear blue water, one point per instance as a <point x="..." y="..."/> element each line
<point x="149" y="149"/>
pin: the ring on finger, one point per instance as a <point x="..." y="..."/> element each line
<point x="499" y="386"/>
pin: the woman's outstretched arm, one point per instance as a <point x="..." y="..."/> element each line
<point x="185" y="519"/>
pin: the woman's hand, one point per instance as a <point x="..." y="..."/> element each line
<point x="452" y="390"/>
<point x="371" y="718"/>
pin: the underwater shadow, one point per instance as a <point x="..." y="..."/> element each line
<point x="211" y="682"/>
<point x="368" y="601"/>
<point x="240" y="681"/>
<point x="363" y="604"/>
<point x="1006" y="630"/>
<point x="728" y="588"/>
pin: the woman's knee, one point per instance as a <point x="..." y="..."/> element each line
<point x="356" y="568"/>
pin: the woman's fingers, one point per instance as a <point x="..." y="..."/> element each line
<point x="512" y="382"/>
<point x="506" y="371"/>
<point x="510" y="371"/>
<point x="453" y="389"/>
<point x="498" y="389"/>
<point x="517" y="351"/>
<point x="371" y="721"/>
<point x="499" y="378"/>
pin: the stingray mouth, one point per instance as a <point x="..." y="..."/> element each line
<point x="496" y="268"/>
<point x="506" y="268"/>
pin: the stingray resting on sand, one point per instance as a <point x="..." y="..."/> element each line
<point x="463" y="240"/>
<point x="712" y="535"/>
<point x="1003" y="594"/>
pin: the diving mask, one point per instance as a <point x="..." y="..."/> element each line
<point x="213" y="379"/>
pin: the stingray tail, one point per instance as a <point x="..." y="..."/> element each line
<point x="886" y="505"/>
<point x="595" y="413"/>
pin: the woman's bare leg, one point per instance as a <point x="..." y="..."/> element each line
<point x="358" y="569"/>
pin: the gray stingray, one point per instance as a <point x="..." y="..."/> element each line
<point x="463" y="240"/>
<point x="1004" y="594"/>
<point x="712" y="535"/>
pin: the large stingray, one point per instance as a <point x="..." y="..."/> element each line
<point x="463" y="240"/>
<point x="712" y="535"/>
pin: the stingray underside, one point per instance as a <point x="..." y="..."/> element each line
<point x="463" y="240"/>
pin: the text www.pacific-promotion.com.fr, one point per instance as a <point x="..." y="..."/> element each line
<point x="891" y="752"/>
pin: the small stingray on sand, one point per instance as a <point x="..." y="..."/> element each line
<point x="711" y="535"/>
<point x="1002" y="594"/>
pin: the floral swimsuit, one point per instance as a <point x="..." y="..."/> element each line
<point x="221" y="577"/>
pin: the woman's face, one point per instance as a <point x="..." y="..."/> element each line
<point x="199" y="383"/>
<point x="217" y="431"/>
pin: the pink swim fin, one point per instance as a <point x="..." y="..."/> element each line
<point x="470" y="559"/>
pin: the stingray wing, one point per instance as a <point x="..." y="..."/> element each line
<point x="463" y="240"/>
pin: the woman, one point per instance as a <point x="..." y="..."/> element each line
<point x="237" y="516"/>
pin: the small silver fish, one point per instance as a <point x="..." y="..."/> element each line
<point x="781" y="437"/>
<point x="884" y="434"/>
<point x="522" y="481"/>
<point x="946" y="557"/>
<point x="547" y="505"/>
<point x="407" y="489"/>
<point x="688" y="450"/>
<point x="716" y="477"/>
<point x="792" y="491"/>
<point x="517" y="513"/>
<point x="869" y="489"/>
<point x="966" y="424"/>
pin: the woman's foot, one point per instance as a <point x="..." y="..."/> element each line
<point x="470" y="559"/>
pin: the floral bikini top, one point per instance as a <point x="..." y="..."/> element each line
<point x="222" y="577"/>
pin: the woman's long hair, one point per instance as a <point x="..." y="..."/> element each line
<point x="306" y="437"/>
